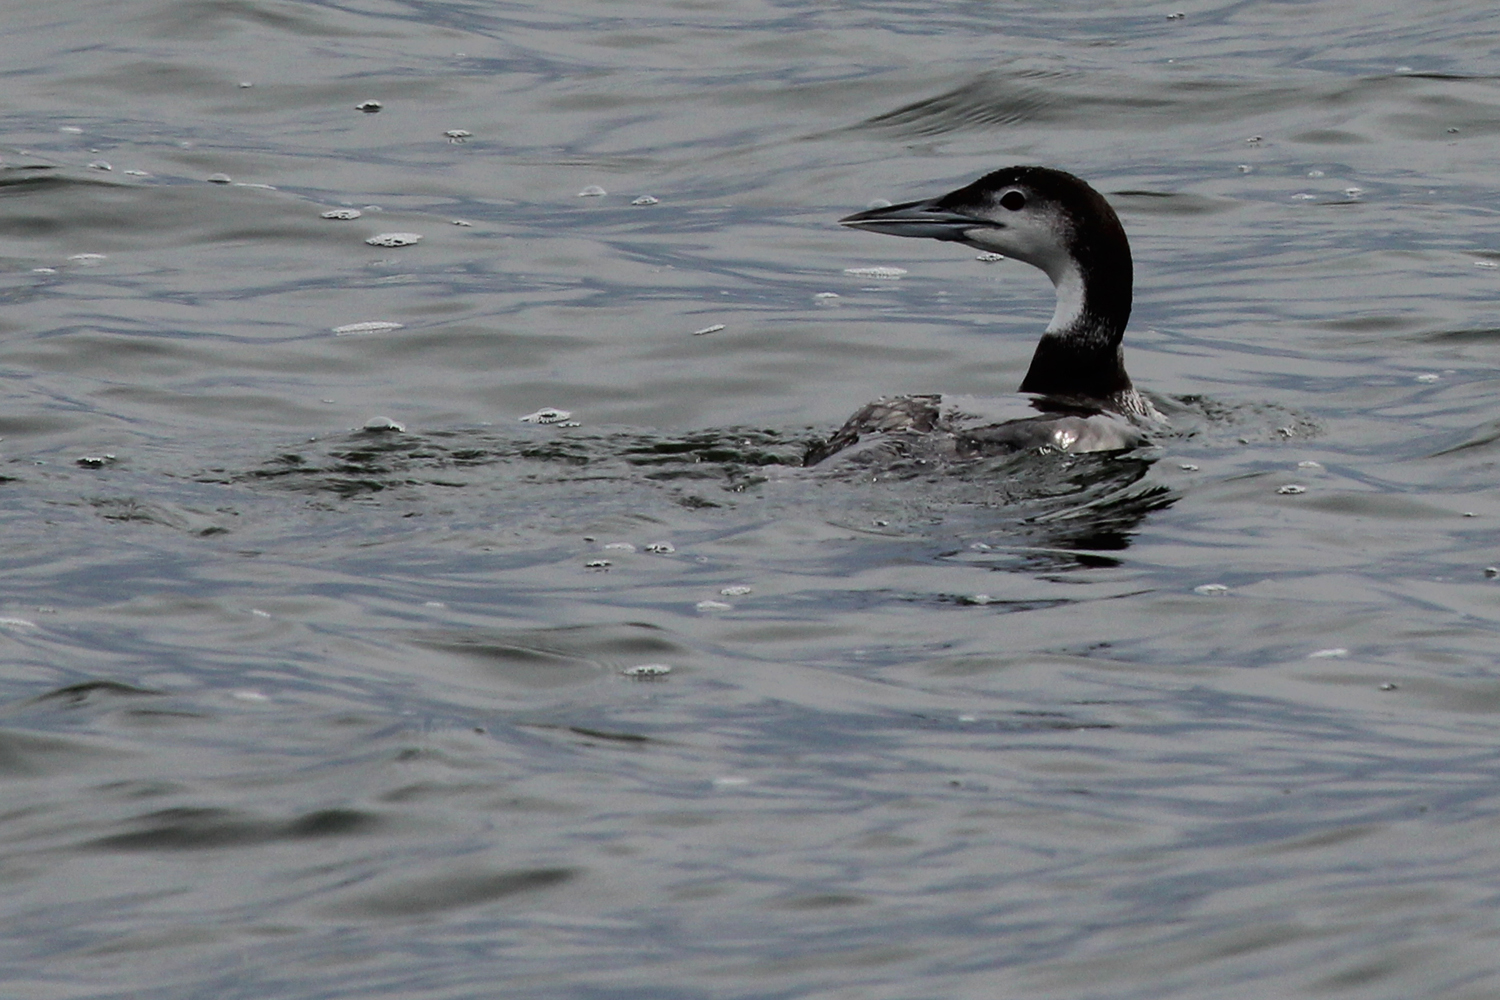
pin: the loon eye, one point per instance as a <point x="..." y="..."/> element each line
<point x="1013" y="200"/>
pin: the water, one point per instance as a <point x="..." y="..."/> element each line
<point x="301" y="704"/>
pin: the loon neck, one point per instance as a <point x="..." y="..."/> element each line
<point x="1080" y="353"/>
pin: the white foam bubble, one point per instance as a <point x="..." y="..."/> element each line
<point x="394" y="239"/>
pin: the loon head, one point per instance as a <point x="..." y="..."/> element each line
<point x="1058" y="223"/>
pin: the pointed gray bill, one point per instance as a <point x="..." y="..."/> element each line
<point x="917" y="218"/>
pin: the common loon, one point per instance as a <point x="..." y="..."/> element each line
<point x="1083" y="400"/>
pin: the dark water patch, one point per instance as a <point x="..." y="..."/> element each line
<point x="336" y="822"/>
<point x="19" y="180"/>
<point x="414" y="897"/>
<point x="1369" y="324"/>
<point x="513" y="657"/>
<point x="542" y="659"/>
<point x="608" y="736"/>
<point x="1478" y="335"/>
<point x="200" y="828"/>
<point x="823" y="901"/>
<point x="515" y="660"/>
<point x="1330" y="137"/>
<point x="33" y="178"/>
<point x="95" y="693"/>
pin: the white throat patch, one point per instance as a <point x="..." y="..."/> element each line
<point x="1069" y="285"/>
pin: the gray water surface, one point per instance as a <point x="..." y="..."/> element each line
<point x="317" y="676"/>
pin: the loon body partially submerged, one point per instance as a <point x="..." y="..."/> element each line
<point x="1083" y="400"/>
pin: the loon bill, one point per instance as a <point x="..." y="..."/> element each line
<point x="1083" y="400"/>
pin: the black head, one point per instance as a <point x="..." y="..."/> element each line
<point x="1058" y="223"/>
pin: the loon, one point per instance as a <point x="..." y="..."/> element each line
<point x="1082" y="399"/>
